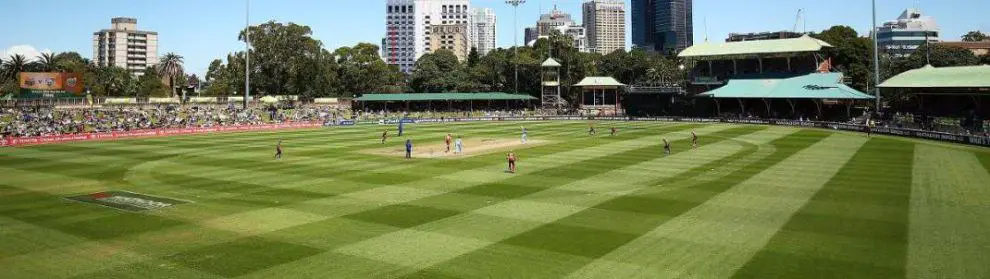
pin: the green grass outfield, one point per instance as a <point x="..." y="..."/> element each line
<point x="750" y="202"/>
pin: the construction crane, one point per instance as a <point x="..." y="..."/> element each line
<point x="800" y="16"/>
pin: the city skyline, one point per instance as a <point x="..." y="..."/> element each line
<point x="201" y="34"/>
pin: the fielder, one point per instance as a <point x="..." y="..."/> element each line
<point x="694" y="139"/>
<point x="458" y="145"/>
<point x="524" y="135"/>
<point x="409" y="149"/>
<point x="446" y="140"/>
<point x="278" y="150"/>
<point x="511" y="157"/>
<point x="666" y="147"/>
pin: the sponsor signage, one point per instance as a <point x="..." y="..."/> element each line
<point x="148" y="133"/>
<point x="50" y="84"/>
<point x="127" y="200"/>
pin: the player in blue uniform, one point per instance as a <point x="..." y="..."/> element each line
<point x="409" y="149"/>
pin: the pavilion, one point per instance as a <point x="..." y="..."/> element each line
<point x="601" y="96"/>
<point x="962" y="92"/>
<point x="768" y="73"/>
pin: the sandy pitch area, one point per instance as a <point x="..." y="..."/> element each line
<point x="472" y="146"/>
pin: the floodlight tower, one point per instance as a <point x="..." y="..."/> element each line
<point x="515" y="37"/>
<point x="876" y="58"/>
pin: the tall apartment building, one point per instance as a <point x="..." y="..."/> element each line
<point x="483" y="30"/>
<point x="408" y="26"/>
<point x="911" y="30"/>
<point x="557" y="20"/>
<point x="452" y="37"/>
<point x="552" y="20"/>
<point x="605" y="25"/>
<point x="663" y="25"/>
<point x="123" y="45"/>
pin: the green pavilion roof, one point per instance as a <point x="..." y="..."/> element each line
<point x="550" y="62"/>
<point x="413" y="97"/>
<point x="811" y="86"/>
<point x="599" y="81"/>
<point x="945" y="77"/>
<point x="801" y="44"/>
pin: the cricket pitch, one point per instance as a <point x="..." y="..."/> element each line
<point x="472" y="147"/>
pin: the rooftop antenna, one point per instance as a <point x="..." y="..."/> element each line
<point x="706" y="29"/>
<point x="797" y="20"/>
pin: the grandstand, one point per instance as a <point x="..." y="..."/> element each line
<point x="785" y="78"/>
<point x="928" y="93"/>
<point x="417" y="102"/>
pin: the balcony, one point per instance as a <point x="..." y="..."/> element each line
<point x="702" y="80"/>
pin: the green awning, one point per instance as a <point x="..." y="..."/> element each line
<point x="747" y="48"/>
<point x="945" y="77"/>
<point x="811" y="86"/>
<point x="416" y="97"/>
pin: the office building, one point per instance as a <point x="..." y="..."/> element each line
<point x="902" y="37"/>
<point x="530" y="34"/>
<point x="605" y="25"/>
<point x="557" y="21"/>
<point x="483" y="30"/>
<point x="124" y="46"/>
<point x="452" y="37"/>
<point x="408" y="26"/>
<point x="550" y="21"/>
<point x="662" y="25"/>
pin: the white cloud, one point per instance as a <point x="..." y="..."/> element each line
<point x="28" y="51"/>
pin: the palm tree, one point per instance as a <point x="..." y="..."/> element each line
<point x="47" y="62"/>
<point x="170" y="67"/>
<point x="14" y="66"/>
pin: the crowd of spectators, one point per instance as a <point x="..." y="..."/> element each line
<point x="383" y="114"/>
<point x="48" y="121"/>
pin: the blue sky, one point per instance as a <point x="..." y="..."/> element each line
<point x="203" y="30"/>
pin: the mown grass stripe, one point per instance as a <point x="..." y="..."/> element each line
<point x="724" y="231"/>
<point x="372" y="248"/>
<point x="948" y="232"/>
<point x="582" y="244"/>
<point x="812" y="243"/>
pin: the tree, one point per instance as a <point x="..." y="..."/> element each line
<point x="363" y="71"/>
<point x="170" y="68"/>
<point x="72" y="62"/>
<point x="473" y="57"/>
<point x="851" y="54"/>
<point x="939" y="56"/>
<point x="111" y="82"/>
<point x="149" y="85"/>
<point x="47" y="63"/>
<point x="985" y="59"/>
<point x="438" y="72"/>
<point x="975" y="36"/>
<point x="14" y="65"/>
